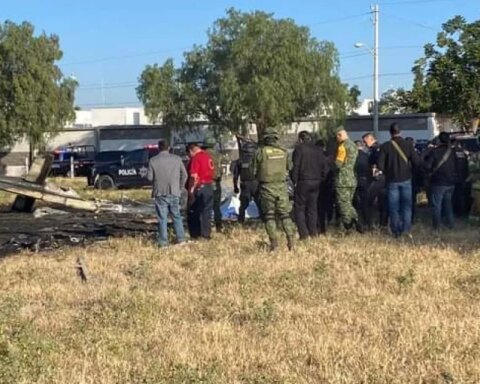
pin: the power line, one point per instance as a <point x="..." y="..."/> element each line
<point x="355" y="55"/>
<point x="110" y="104"/>
<point x="393" y="74"/>
<point x="413" y="22"/>
<point x="401" y="2"/>
<point x="114" y="58"/>
<point x="131" y="83"/>
<point x="328" y="21"/>
<point x="108" y="86"/>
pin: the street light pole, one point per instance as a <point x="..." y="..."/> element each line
<point x="376" y="97"/>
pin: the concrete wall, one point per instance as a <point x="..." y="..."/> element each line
<point x="109" y="116"/>
<point x="83" y="119"/>
<point x="118" y="116"/>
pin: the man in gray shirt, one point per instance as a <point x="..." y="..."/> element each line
<point x="168" y="175"/>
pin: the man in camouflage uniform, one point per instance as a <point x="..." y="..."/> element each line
<point x="270" y="166"/>
<point x="345" y="181"/>
<point x="209" y="145"/>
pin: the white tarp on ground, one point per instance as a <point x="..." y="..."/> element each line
<point x="230" y="209"/>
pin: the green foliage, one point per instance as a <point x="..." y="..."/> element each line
<point x="35" y="98"/>
<point x="253" y="69"/>
<point x="447" y="78"/>
<point x="353" y="96"/>
<point x="397" y="101"/>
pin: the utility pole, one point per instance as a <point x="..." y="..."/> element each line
<point x="376" y="97"/>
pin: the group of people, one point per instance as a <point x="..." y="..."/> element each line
<point x="361" y="184"/>
<point x="170" y="177"/>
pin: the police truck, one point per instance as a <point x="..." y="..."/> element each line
<point x="122" y="169"/>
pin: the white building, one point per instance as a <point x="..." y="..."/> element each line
<point x="365" y="108"/>
<point x="97" y="117"/>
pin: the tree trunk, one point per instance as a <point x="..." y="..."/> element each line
<point x="474" y="124"/>
<point x="31" y="151"/>
<point x="260" y="129"/>
<point x="244" y="129"/>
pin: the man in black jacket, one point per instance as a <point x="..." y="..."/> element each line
<point x="362" y="173"/>
<point x="396" y="159"/>
<point x="309" y="170"/>
<point x="376" y="189"/>
<point x="326" y="196"/>
<point x="463" y="188"/>
<point x="441" y="164"/>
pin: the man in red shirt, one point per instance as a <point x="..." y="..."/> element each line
<point x="201" y="171"/>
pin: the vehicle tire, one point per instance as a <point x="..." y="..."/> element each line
<point x="105" y="182"/>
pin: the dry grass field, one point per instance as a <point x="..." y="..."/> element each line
<point x="356" y="309"/>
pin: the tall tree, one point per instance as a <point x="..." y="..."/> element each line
<point x="253" y="69"/>
<point x="35" y="99"/>
<point x="397" y="101"/>
<point x="447" y="78"/>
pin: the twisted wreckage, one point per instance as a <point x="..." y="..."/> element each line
<point x="78" y="222"/>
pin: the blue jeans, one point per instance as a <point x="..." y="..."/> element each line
<point x="400" y="207"/>
<point x="165" y="205"/>
<point x="442" y="203"/>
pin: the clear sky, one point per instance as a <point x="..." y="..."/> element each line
<point x="107" y="43"/>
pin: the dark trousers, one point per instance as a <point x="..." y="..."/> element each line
<point x="248" y="191"/>
<point x="462" y="199"/>
<point x="217" y="202"/>
<point x="305" y="207"/>
<point x="200" y="213"/>
<point x="442" y="205"/>
<point x="361" y="199"/>
<point x="377" y="203"/>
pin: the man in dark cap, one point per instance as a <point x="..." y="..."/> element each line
<point x="396" y="160"/>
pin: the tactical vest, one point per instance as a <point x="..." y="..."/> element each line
<point x="273" y="167"/>
<point x="246" y="173"/>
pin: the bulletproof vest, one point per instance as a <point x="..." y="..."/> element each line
<point x="246" y="173"/>
<point x="273" y="167"/>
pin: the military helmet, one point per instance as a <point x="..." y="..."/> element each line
<point x="270" y="132"/>
<point x="210" y="142"/>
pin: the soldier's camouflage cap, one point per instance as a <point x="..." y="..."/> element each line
<point x="339" y="129"/>
<point x="270" y="131"/>
<point x="209" y="142"/>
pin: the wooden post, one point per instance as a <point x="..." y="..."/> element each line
<point x="72" y="166"/>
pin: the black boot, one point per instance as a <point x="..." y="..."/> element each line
<point x="273" y="245"/>
<point x="290" y="243"/>
<point x="358" y="226"/>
